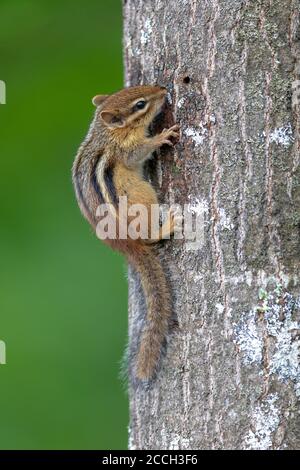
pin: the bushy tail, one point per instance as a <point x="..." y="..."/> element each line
<point x="159" y="311"/>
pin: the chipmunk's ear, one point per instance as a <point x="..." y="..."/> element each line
<point x="112" y="118"/>
<point x="99" y="99"/>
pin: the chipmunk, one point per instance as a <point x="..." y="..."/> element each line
<point x="109" y="164"/>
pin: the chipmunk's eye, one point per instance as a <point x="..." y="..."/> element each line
<point x="139" y="105"/>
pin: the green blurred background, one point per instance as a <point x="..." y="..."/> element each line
<point x="63" y="294"/>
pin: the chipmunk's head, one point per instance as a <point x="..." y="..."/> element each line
<point x="130" y="108"/>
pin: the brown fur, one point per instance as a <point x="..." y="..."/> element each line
<point x="159" y="311"/>
<point x="118" y="139"/>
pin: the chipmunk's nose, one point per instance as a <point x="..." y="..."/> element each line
<point x="164" y="90"/>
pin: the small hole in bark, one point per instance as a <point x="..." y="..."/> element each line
<point x="186" y="80"/>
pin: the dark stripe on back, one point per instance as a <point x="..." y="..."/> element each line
<point x="109" y="183"/>
<point x="81" y="196"/>
<point x="94" y="180"/>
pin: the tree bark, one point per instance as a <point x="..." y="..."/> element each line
<point x="230" y="378"/>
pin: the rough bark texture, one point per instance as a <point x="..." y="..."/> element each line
<point x="231" y="375"/>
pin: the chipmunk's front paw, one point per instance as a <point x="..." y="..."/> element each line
<point x="167" y="134"/>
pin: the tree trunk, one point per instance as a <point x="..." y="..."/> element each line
<point x="231" y="376"/>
